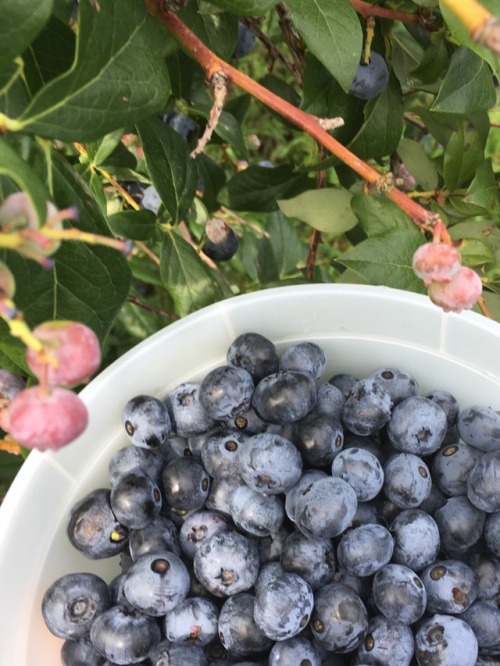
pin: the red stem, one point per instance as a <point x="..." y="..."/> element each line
<point x="212" y="64"/>
<point x="366" y="10"/>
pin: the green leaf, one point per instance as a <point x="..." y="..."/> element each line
<point x="327" y="210"/>
<point x="475" y="252"/>
<point x="462" y="36"/>
<point x="134" y="224"/>
<point x="384" y="120"/>
<point x="288" y="250"/>
<point x="171" y="169"/>
<point x="21" y="21"/>
<point x="218" y="31"/>
<point x="483" y="191"/>
<point x="332" y="32"/>
<point x="377" y="214"/>
<point x="245" y="7"/>
<point x="213" y="179"/>
<point x="49" y="55"/>
<point x="465" y="150"/>
<point x="386" y="259"/>
<point x="434" y="61"/>
<point x="258" y="188"/>
<point x="185" y="276"/>
<point x="26" y="179"/>
<point x="118" y="76"/>
<point x="418" y="164"/>
<point x="468" y="85"/>
<point x="482" y="230"/>
<point x="99" y="151"/>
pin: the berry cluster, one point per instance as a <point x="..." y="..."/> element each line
<point x="451" y="286"/>
<point x="49" y="415"/>
<point x="265" y="517"/>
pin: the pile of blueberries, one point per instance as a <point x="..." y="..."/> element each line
<point x="266" y="517"/>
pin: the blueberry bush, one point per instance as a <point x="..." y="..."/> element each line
<point x="157" y="156"/>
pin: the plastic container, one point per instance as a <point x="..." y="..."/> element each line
<point x="360" y="328"/>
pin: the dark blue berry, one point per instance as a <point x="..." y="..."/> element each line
<point x="371" y="78"/>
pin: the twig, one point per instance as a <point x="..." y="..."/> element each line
<point x="151" y="308"/>
<point x="482" y="25"/>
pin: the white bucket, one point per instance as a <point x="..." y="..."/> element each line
<point x="360" y="328"/>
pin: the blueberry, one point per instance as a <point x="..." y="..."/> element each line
<point x="131" y="458"/>
<point x="222" y="242"/>
<point x="362" y="471"/>
<point x="386" y="643"/>
<point x="181" y="123"/>
<point x="151" y="199"/>
<point x="221" y="491"/>
<point x="296" y="650"/>
<point x="227" y="563"/>
<point x="451" y="586"/>
<point x="186" y="485"/>
<point x="160" y="533"/>
<point x="418" y="425"/>
<point x="482" y="484"/>
<point x="313" y="559"/>
<point x="219" y="454"/>
<point x="319" y="438"/>
<point x="325" y="508"/>
<point x="80" y="652"/>
<point x="344" y="382"/>
<point x="135" y="499"/>
<point x="370" y="79"/>
<point x="340" y="619"/>
<point x="445" y="640"/>
<point x="188" y="413"/>
<point x="283" y="602"/>
<point x="256" y="513"/>
<point x="451" y="466"/>
<point x="306" y="357"/>
<point x="93" y="528"/>
<point x="238" y="631"/>
<point x="71" y="604"/>
<point x="479" y="426"/>
<point x="124" y="635"/>
<point x="367" y="408"/>
<point x="255" y="353"/>
<point x="416" y="539"/>
<point x="399" y="593"/>
<point x="198" y="527"/>
<point x="484" y="620"/>
<point x="398" y="383"/>
<point x="487" y="569"/>
<point x="156" y="583"/>
<point x="146" y="421"/>
<point x="292" y="495"/>
<point x="365" y="549"/>
<point x="407" y="480"/>
<point x="460" y="525"/>
<point x="284" y="397"/>
<point x="492" y="533"/>
<point x="194" y="620"/>
<point x="226" y="391"/>
<point x="271" y="547"/>
<point x="269" y="463"/>
<point x="175" y="654"/>
<point x="245" y="42"/>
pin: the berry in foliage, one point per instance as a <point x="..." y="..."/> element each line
<point x="245" y="42"/>
<point x="222" y="241"/>
<point x="371" y="78"/>
<point x="460" y="293"/>
<point x="75" y="349"/>
<point x="249" y="544"/>
<point x="49" y="419"/>
<point x="436" y="262"/>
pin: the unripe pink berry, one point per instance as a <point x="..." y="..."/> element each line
<point x="460" y="293"/>
<point x="436" y="262"/>
<point x="40" y="420"/>
<point x="74" y="346"/>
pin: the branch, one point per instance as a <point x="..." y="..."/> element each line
<point x="366" y="9"/>
<point x="213" y="65"/>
